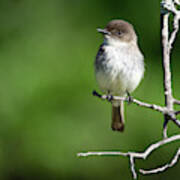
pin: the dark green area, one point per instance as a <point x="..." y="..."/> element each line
<point x="47" y="112"/>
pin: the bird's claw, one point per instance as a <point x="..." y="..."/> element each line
<point x="129" y="98"/>
<point x="109" y="98"/>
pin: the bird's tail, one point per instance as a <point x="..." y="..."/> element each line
<point x="118" y="117"/>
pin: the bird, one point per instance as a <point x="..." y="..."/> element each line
<point x="119" y="66"/>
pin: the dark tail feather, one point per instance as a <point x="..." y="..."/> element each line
<point x="118" y="117"/>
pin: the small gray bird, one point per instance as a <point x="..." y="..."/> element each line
<point x="119" y="66"/>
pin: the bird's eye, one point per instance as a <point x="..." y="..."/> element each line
<point x="119" y="33"/>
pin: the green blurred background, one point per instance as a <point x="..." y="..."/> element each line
<point x="47" y="112"/>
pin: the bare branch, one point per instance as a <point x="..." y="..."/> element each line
<point x="176" y="29"/>
<point x="151" y="106"/>
<point x="133" y="167"/>
<point x="177" y="2"/>
<point x="170" y="6"/>
<point x="163" y="168"/>
<point x="164" y="110"/>
<point x="176" y="121"/>
<point x="133" y="155"/>
<point x="176" y="101"/>
<point x="135" y="101"/>
<point x="105" y="153"/>
<point x="143" y="155"/>
<point x="177" y="112"/>
<point x="165" y="131"/>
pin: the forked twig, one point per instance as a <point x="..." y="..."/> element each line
<point x="139" y="155"/>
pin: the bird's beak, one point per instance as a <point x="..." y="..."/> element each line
<point x="103" y="31"/>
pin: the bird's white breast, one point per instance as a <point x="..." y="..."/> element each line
<point x="121" y="68"/>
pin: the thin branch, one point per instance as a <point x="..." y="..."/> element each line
<point x="142" y="155"/>
<point x="133" y="155"/>
<point x="164" y="110"/>
<point x="170" y="6"/>
<point x="177" y="2"/>
<point x="131" y="158"/>
<point x="105" y="153"/>
<point x="176" y="121"/>
<point x="176" y="101"/>
<point x="163" y="168"/>
<point x="177" y="112"/>
<point x="176" y="29"/>
<point x="135" y="101"/>
<point x="165" y="130"/>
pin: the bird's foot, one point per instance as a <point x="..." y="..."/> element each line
<point x="109" y="98"/>
<point x="129" y="98"/>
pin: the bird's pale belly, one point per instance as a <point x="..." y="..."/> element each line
<point x="119" y="77"/>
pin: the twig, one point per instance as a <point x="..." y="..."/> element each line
<point x="176" y="101"/>
<point x="163" y="168"/>
<point x="177" y="112"/>
<point x="165" y="129"/>
<point x="164" y="110"/>
<point x="131" y="158"/>
<point x="135" y="101"/>
<point x="133" y="155"/>
<point x="170" y="6"/>
<point x="177" y="2"/>
<point x="176" y="28"/>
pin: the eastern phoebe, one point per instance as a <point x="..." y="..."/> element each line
<point x="119" y="66"/>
